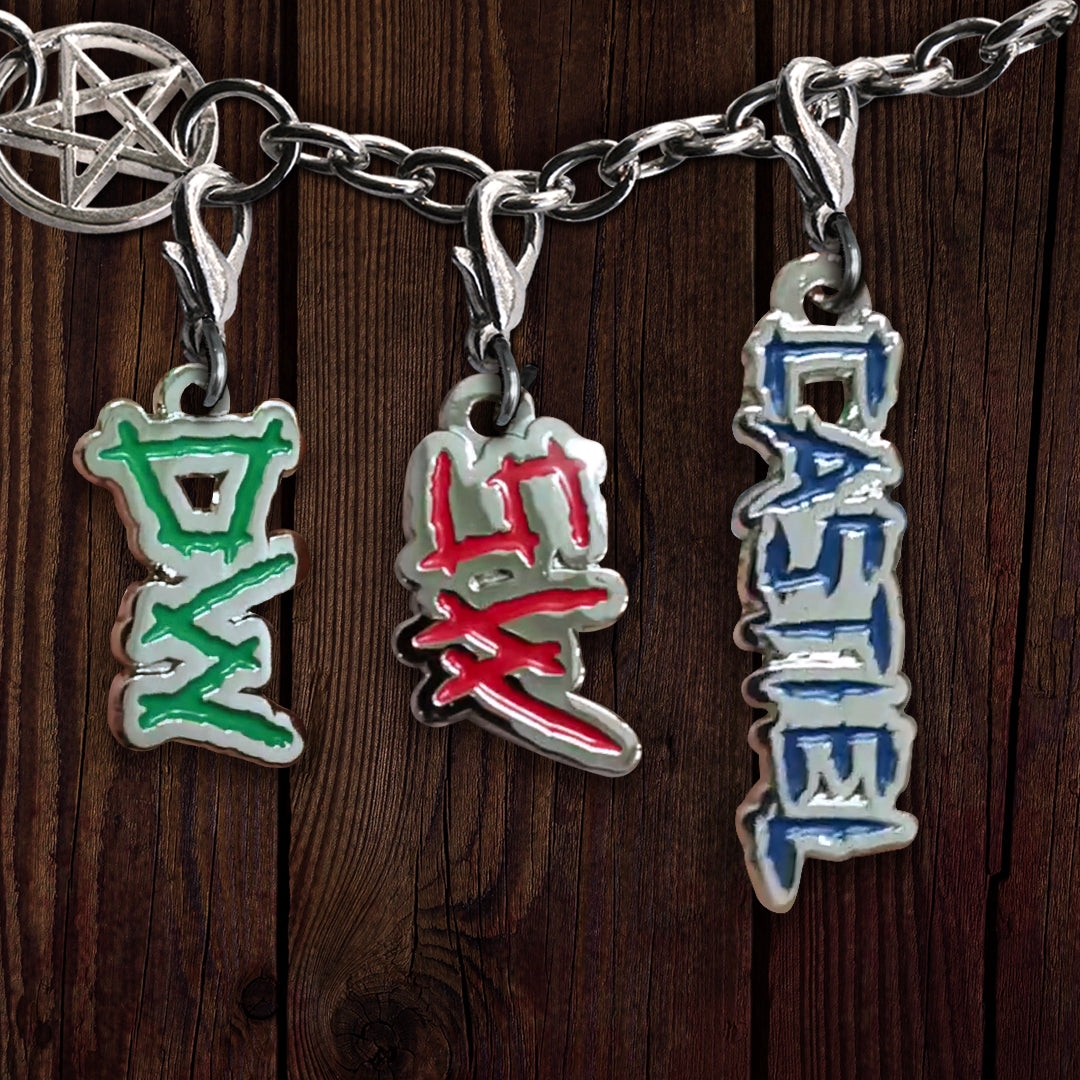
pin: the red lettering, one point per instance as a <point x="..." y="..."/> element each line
<point x="484" y="677"/>
<point x="517" y="538"/>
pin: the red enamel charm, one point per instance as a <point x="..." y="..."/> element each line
<point x="505" y="535"/>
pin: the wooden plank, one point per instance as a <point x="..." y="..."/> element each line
<point x="1035" y="941"/>
<point x="460" y="907"/>
<point x="138" y="890"/>
<point x="879" y="970"/>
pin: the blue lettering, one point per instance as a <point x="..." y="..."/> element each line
<point x="821" y="538"/>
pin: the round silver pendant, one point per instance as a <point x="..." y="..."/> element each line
<point x="88" y="163"/>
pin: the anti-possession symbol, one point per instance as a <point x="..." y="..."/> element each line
<point x="88" y="162"/>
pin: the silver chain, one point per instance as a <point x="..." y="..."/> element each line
<point x="807" y="93"/>
<point x="659" y="148"/>
<point x="411" y="176"/>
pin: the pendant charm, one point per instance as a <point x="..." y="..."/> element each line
<point x="93" y="65"/>
<point x="505" y="535"/>
<point x="820" y="543"/>
<point x="193" y="652"/>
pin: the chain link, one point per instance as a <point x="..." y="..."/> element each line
<point x="899" y="76"/>
<point x="424" y="162"/>
<point x="653" y="150"/>
<point x="387" y="186"/>
<point x="557" y="169"/>
<point x="278" y="138"/>
<point x="930" y="48"/>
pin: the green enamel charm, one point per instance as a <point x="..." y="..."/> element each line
<point x="193" y="652"/>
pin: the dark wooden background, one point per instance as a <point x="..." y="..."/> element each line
<point x="423" y="904"/>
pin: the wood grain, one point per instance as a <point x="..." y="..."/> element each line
<point x="881" y="971"/>
<point x="457" y="901"/>
<point x="138" y="890"/>
<point x="456" y="906"/>
<point x="1036" y="949"/>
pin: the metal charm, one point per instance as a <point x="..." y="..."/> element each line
<point x="193" y="652"/>
<point x="505" y="535"/>
<point x="139" y="148"/>
<point x="820" y="543"/>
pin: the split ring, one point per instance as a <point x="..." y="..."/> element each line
<point x="27" y="52"/>
<point x="187" y="123"/>
<point x="839" y="227"/>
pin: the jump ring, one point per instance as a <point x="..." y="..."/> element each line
<point x="210" y="350"/>
<point x="27" y="52"/>
<point x="186" y="125"/>
<point x="840" y="227"/>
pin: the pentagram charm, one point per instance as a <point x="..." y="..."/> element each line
<point x="87" y="163"/>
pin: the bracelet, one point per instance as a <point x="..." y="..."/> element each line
<point x="549" y="191"/>
<point x="506" y="529"/>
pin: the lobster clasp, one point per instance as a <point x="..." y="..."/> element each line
<point x="207" y="277"/>
<point x="495" y="283"/>
<point x="822" y="165"/>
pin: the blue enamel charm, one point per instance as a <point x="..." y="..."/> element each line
<point x="820" y="543"/>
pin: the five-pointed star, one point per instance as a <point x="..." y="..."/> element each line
<point x="138" y="148"/>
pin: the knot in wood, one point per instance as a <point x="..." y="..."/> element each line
<point x="388" y="1035"/>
